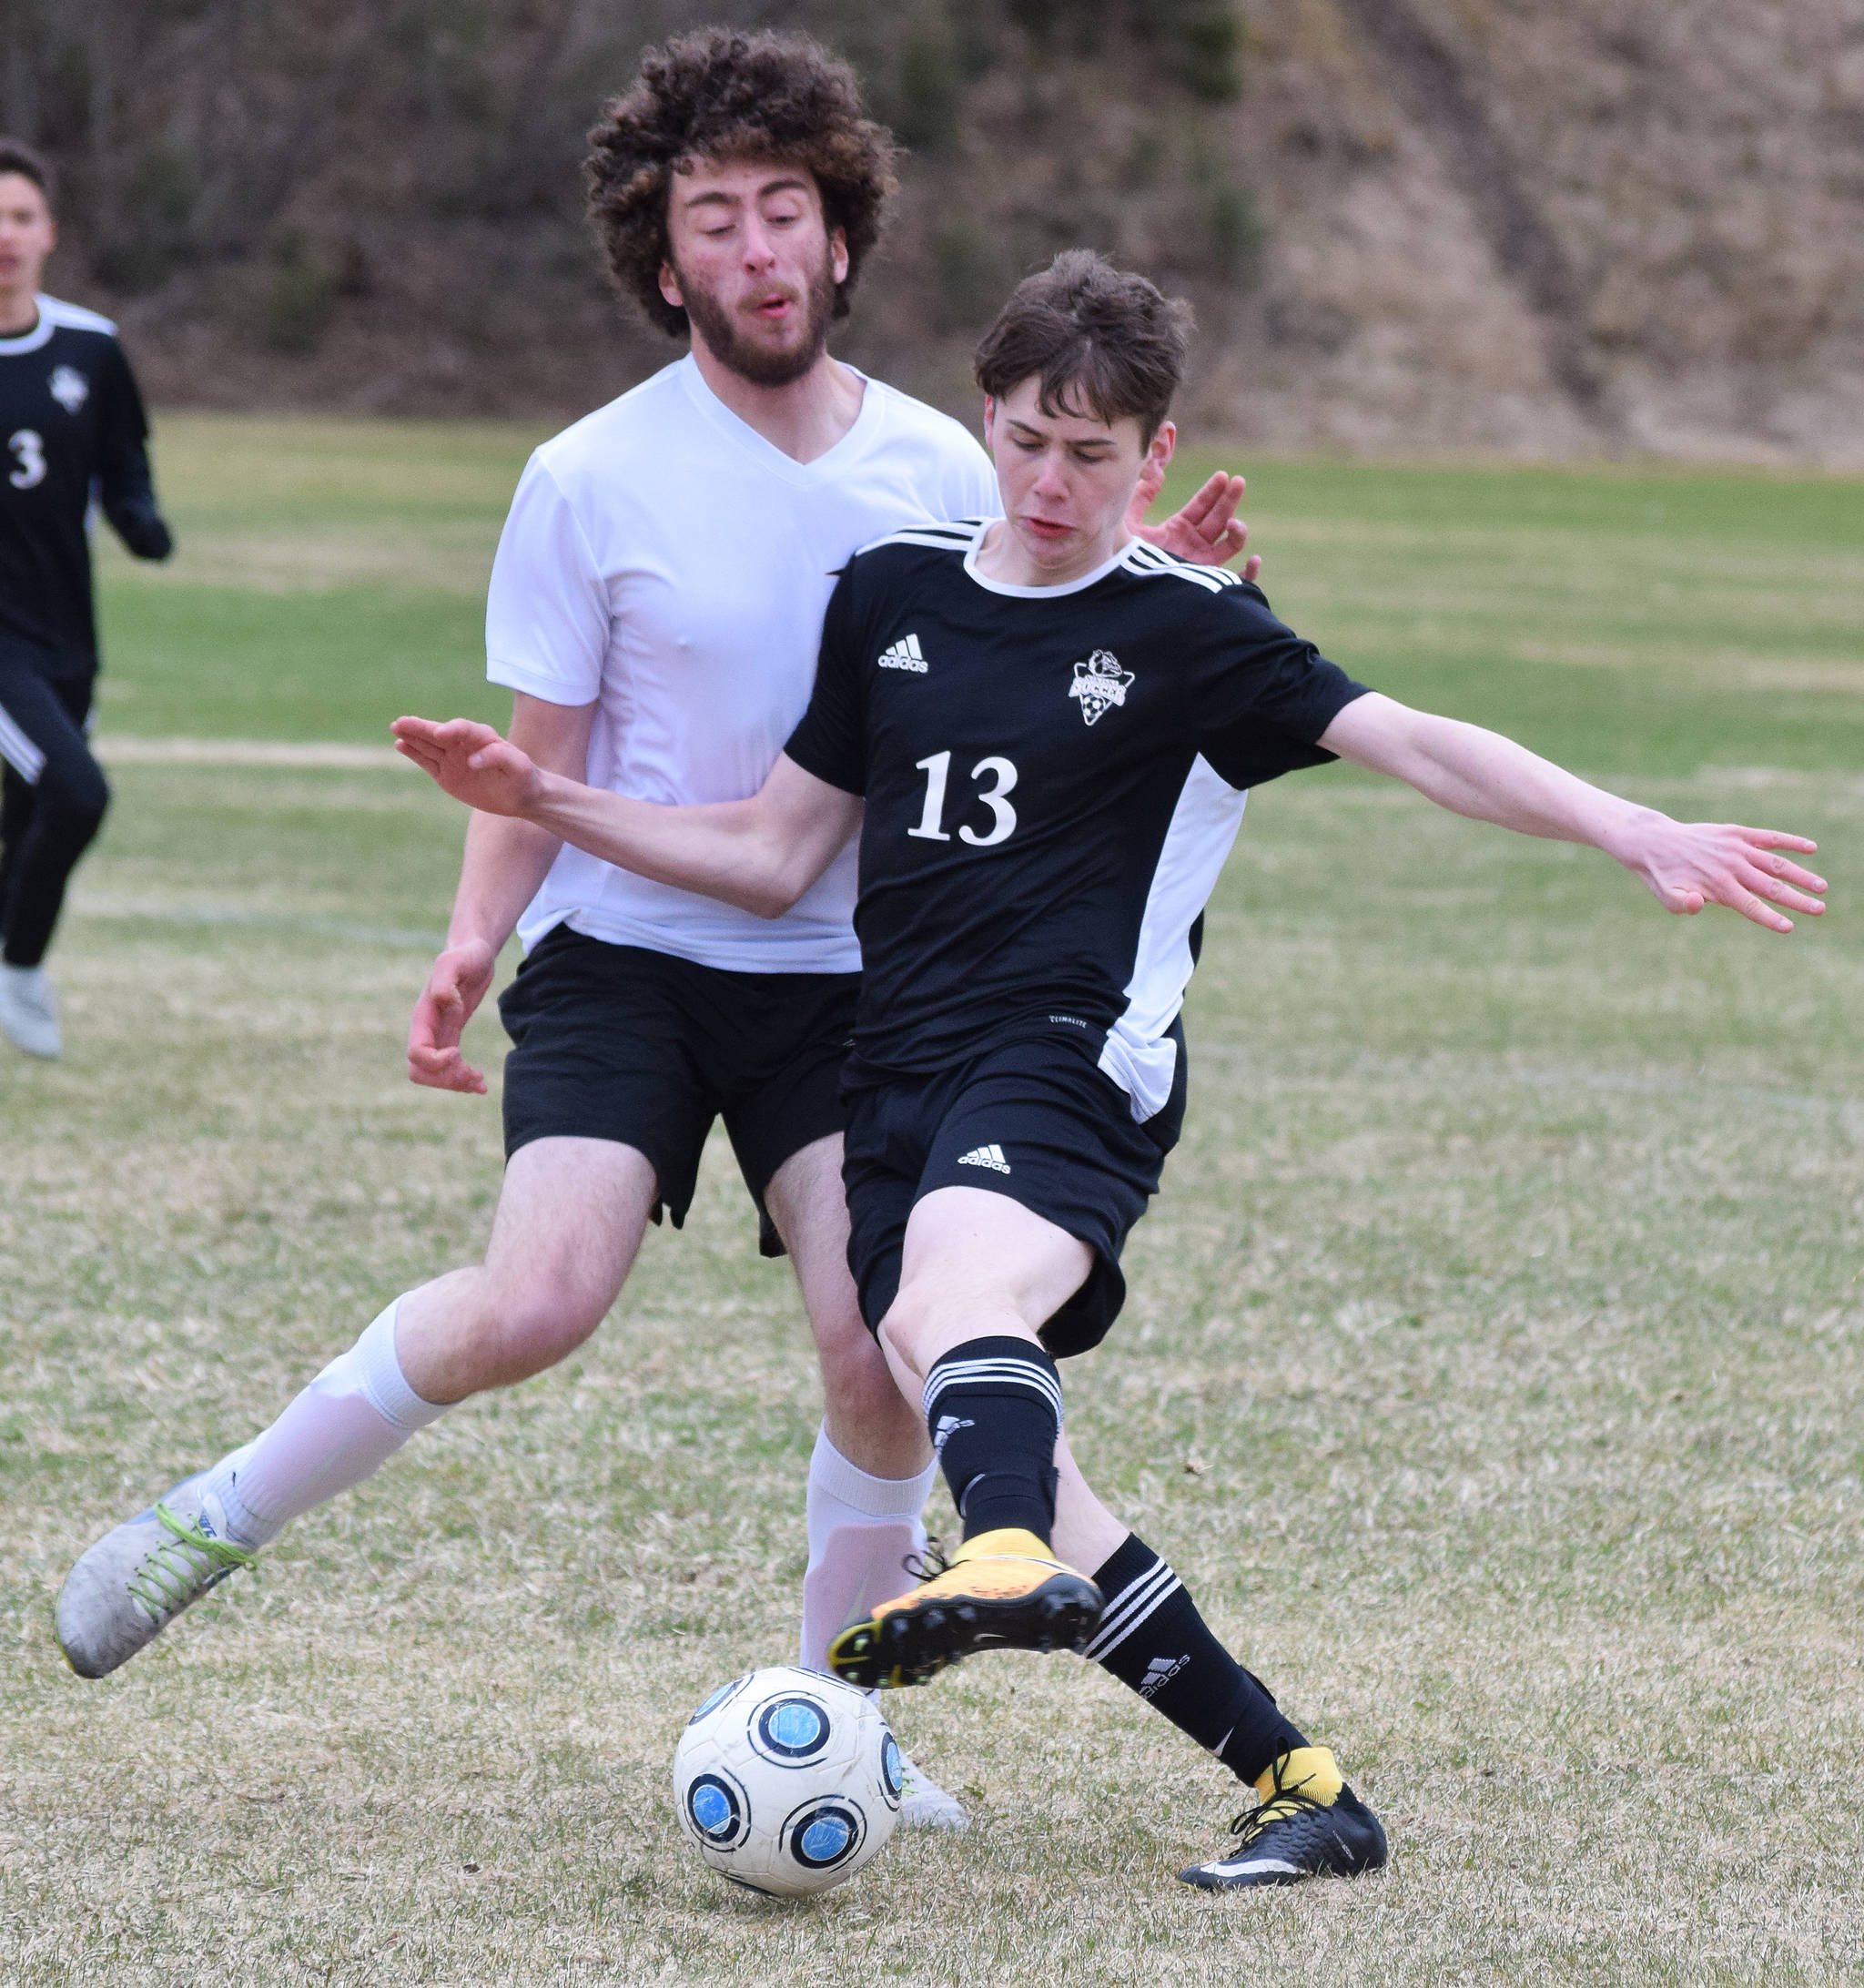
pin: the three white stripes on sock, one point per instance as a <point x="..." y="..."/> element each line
<point x="1131" y="1607"/>
<point x="993" y="1374"/>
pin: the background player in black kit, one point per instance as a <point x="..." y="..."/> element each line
<point x="74" y="429"/>
<point x="1044" y="731"/>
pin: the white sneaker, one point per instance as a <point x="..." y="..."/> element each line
<point x="141" y="1575"/>
<point x="29" y="1010"/>
<point x="924" y="1804"/>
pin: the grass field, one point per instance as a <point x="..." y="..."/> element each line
<point x="1492" y="1370"/>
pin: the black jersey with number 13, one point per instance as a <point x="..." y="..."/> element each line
<point x="1053" y="779"/>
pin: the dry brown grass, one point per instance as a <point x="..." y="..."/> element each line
<point x="1504" y="1302"/>
<point x="1505" y="1297"/>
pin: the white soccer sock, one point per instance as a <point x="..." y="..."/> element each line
<point x="861" y="1527"/>
<point x="343" y="1427"/>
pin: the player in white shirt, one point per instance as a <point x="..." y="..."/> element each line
<point x="655" y="608"/>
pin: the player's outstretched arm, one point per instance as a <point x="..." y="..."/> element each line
<point x="1473" y="772"/>
<point x="760" y="854"/>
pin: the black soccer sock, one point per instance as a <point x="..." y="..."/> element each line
<point x="1152" y="1638"/>
<point x="993" y="1407"/>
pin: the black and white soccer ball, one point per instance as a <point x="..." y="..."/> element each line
<point x="787" y="1781"/>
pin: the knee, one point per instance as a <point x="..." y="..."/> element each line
<point x="903" y="1329"/>
<point x="857" y="1378"/>
<point x="526" y="1332"/>
<point x="74" y="807"/>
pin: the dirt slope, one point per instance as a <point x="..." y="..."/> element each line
<point x="1611" y="225"/>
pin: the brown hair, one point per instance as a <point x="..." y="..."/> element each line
<point x="726" y="95"/>
<point x="1094" y="334"/>
<point x="17" y="158"/>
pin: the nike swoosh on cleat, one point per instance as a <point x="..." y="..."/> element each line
<point x="1249" y="1868"/>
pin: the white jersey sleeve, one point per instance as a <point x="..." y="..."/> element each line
<point x="976" y="495"/>
<point x="547" y="612"/>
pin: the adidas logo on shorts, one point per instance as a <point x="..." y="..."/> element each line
<point x="985" y="1156"/>
<point x="903" y="655"/>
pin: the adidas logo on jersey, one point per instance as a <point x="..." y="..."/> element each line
<point x="985" y="1156"/>
<point x="903" y="655"/>
<point x="1159" y="1672"/>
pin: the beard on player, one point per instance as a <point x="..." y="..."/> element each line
<point x="753" y="354"/>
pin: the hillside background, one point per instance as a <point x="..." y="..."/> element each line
<point x="1408" y="224"/>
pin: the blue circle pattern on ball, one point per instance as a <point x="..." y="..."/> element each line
<point x="890" y="1766"/>
<point x="793" y="1727"/>
<point x="825" y="1838"/>
<point x="713" y="1699"/>
<point x="826" y="1835"/>
<point x="715" y="1810"/>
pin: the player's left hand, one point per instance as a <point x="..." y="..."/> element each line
<point x="472" y="762"/>
<point x="1691" y="864"/>
<point x="1207" y="530"/>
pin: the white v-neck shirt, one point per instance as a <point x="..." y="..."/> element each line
<point x="664" y="562"/>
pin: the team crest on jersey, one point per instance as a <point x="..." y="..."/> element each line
<point x="1099" y="683"/>
<point x="69" y="388"/>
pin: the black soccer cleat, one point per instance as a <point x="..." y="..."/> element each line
<point x="1003" y="1591"/>
<point x="1296" y="1833"/>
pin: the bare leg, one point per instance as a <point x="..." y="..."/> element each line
<point x="975" y="1265"/>
<point x="1087" y="1535"/>
<point x="569" y="1224"/>
<point x="869" y="1421"/>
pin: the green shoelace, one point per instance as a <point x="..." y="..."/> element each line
<point x="182" y="1567"/>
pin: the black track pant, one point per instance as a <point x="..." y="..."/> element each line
<point x="51" y="804"/>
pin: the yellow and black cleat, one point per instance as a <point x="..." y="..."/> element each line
<point x="1003" y="1591"/>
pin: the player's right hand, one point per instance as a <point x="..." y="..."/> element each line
<point x="453" y="991"/>
<point x="470" y="761"/>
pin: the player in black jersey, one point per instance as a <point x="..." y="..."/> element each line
<point x="74" y="430"/>
<point x="1044" y="731"/>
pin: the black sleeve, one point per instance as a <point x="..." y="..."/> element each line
<point x="831" y="741"/>
<point x="125" y="487"/>
<point x="1260" y="696"/>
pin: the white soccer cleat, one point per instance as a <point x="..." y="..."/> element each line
<point x="29" y="1011"/>
<point x="140" y="1576"/>
<point x="924" y="1804"/>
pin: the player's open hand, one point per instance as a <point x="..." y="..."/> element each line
<point x="1689" y="863"/>
<point x="470" y="761"/>
<point x="1206" y="530"/>
<point x="452" y="994"/>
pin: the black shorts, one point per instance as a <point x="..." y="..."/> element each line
<point x="621" y="1043"/>
<point x="1035" y="1119"/>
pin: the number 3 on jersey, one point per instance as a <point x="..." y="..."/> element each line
<point x="29" y="447"/>
<point x="938" y="770"/>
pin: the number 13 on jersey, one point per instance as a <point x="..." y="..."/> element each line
<point x="996" y="798"/>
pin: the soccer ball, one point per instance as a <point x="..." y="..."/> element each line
<point x="787" y="1781"/>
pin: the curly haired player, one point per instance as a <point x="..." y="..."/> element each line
<point x="656" y="609"/>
